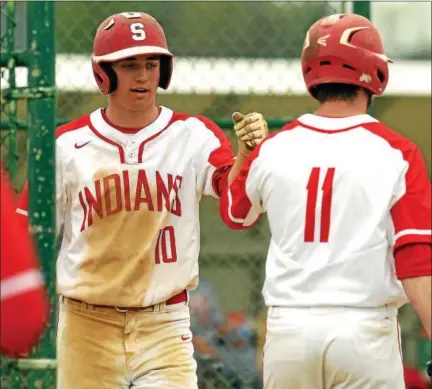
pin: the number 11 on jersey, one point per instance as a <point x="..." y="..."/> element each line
<point x="311" y="204"/>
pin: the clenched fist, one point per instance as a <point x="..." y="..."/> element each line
<point x="250" y="130"/>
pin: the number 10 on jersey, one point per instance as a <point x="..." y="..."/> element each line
<point x="165" y="250"/>
<point x="311" y="204"/>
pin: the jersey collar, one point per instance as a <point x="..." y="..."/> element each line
<point x="100" y="125"/>
<point x="335" y="124"/>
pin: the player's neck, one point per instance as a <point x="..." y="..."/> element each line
<point x="124" y="118"/>
<point x="342" y="108"/>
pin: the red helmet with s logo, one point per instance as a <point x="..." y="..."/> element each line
<point x="125" y="35"/>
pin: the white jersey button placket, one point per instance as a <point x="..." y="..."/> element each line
<point x="131" y="153"/>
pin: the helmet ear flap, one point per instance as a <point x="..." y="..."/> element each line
<point x="105" y="77"/>
<point x="112" y="76"/>
<point x="166" y="68"/>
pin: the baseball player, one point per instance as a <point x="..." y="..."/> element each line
<point x="129" y="181"/>
<point x="24" y="304"/>
<point x="349" y="207"/>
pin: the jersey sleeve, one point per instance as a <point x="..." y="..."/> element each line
<point x="411" y="210"/>
<point x="24" y="304"/>
<point x="214" y="157"/>
<point x="22" y="205"/>
<point x="413" y="260"/>
<point x="411" y="216"/>
<point x="61" y="197"/>
<point x="241" y="203"/>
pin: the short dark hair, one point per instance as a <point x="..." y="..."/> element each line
<point x="337" y="91"/>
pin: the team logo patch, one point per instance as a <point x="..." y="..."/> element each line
<point x="365" y="78"/>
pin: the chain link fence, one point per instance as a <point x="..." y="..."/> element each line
<point x="229" y="56"/>
<point x="225" y="51"/>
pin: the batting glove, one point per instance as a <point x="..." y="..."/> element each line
<point x="250" y="129"/>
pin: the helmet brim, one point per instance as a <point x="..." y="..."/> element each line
<point x="131" y="52"/>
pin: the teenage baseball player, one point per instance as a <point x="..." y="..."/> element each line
<point x="349" y="207"/>
<point x="129" y="181"/>
<point x="24" y="304"/>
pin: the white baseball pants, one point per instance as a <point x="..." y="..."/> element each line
<point x="332" y="348"/>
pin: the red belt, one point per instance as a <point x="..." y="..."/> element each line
<point x="177" y="299"/>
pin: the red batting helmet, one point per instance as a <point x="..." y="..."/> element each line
<point x="125" y="35"/>
<point x="346" y="49"/>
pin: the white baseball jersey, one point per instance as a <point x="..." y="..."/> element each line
<point x="128" y="204"/>
<point x="340" y="195"/>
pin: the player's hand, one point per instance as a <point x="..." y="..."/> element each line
<point x="250" y="129"/>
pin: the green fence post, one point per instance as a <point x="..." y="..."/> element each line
<point x="11" y="106"/>
<point x="41" y="171"/>
<point x="362" y="8"/>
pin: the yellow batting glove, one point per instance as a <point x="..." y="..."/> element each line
<point x="250" y="129"/>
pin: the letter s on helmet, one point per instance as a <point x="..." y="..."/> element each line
<point x="346" y="49"/>
<point x="125" y="35"/>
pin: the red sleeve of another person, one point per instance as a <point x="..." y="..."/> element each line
<point x="24" y="304"/>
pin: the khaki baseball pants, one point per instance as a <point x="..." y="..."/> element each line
<point x="103" y="348"/>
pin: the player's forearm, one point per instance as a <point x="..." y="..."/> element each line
<point x="419" y="293"/>
<point x="236" y="206"/>
<point x="235" y="170"/>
